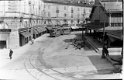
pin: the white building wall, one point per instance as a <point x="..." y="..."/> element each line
<point x="15" y="10"/>
<point x="78" y="12"/>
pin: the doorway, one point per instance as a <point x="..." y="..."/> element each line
<point x="2" y="44"/>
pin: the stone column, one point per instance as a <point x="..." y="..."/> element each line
<point x="110" y="19"/>
<point x="14" y="39"/>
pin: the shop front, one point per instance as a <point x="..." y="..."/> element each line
<point x="24" y="36"/>
<point x="4" y="38"/>
<point x="35" y="33"/>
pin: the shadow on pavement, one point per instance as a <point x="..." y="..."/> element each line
<point x="102" y="65"/>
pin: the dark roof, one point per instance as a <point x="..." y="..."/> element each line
<point x="69" y="2"/>
<point x="109" y="6"/>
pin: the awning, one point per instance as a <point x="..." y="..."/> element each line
<point x="43" y="29"/>
<point x="96" y="26"/>
<point x="116" y="34"/>
<point x="25" y="34"/>
<point x="38" y="30"/>
<point x="35" y="31"/>
<point x="74" y="27"/>
<point x="109" y="28"/>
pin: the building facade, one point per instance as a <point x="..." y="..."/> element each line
<point x="23" y="20"/>
<point x="65" y="13"/>
<point x="18" y="21"/>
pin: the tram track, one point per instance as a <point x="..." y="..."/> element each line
<point x="36" y="70"/>
<point x="58" y="72"/>
<point x="43" y="69"/>
<point x="29" y="72"/>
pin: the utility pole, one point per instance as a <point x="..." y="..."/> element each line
<point x="4" y="15"/>
<point x="57" y="12"/>
<point x="122" y="25"/>
<point x="103" y="53"/>
<point x="84" y="23"/>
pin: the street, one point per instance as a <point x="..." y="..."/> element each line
<point x="55" y="58"/>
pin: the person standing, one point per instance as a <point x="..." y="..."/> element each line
<point x="10" y="54"/>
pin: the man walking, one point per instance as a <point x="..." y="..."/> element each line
<point x="10" y="54"/>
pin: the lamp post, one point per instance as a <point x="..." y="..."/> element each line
<point x="103" y="54"/>
<point x="104" y="44"/>
<point x="30" y="19"/>
<point x="84" y="23"/>
<point x="122" y="29"/>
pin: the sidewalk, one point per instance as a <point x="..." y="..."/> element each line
<point x="114" y="53"/>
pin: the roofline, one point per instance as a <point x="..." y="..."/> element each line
<point x="112" y="35"/>
<point x="73" y="4"/>
<point x="114" y="11"/>
<point x="94" y="6"/>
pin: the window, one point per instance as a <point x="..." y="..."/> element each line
<point x="48" y="6"/>
<point x="44" y="22"/>
<point x="65" y="14"/>
<point x="26" y="40"/>
<point x="57" y="11"/>
<point x="29" y="2"/>
<point x="116" y="24"/>
<point x="30" y="38"/>
<point x="78" y="15"/>
<point x="29" y="31"/>
<point x="39" y="8"/>
<point x="71" y="15"/>
<point x="71" y="21"/>
<point x="37" y="21"/>
<point x="78" y="21"/>
<point x="72" y="11"/>
<point x="49" y="14"/>
<point x="78" y="9"/>
<point x="64" y="7"/>
<point x="65" y="20"/>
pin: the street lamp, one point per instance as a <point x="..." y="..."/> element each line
<point x="30" y="19"/>
<point x="122" y="25"/>
<point x="104" y="44"/>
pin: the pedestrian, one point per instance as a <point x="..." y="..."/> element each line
<point x="106" y="50"/>
<point x="10" y="54"/>
<point x="31" y="41"/>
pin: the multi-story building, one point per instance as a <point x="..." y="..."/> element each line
<point x="22" y="20"/>
<point x="17" y="21"/>
<point x="65" y="12"/>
